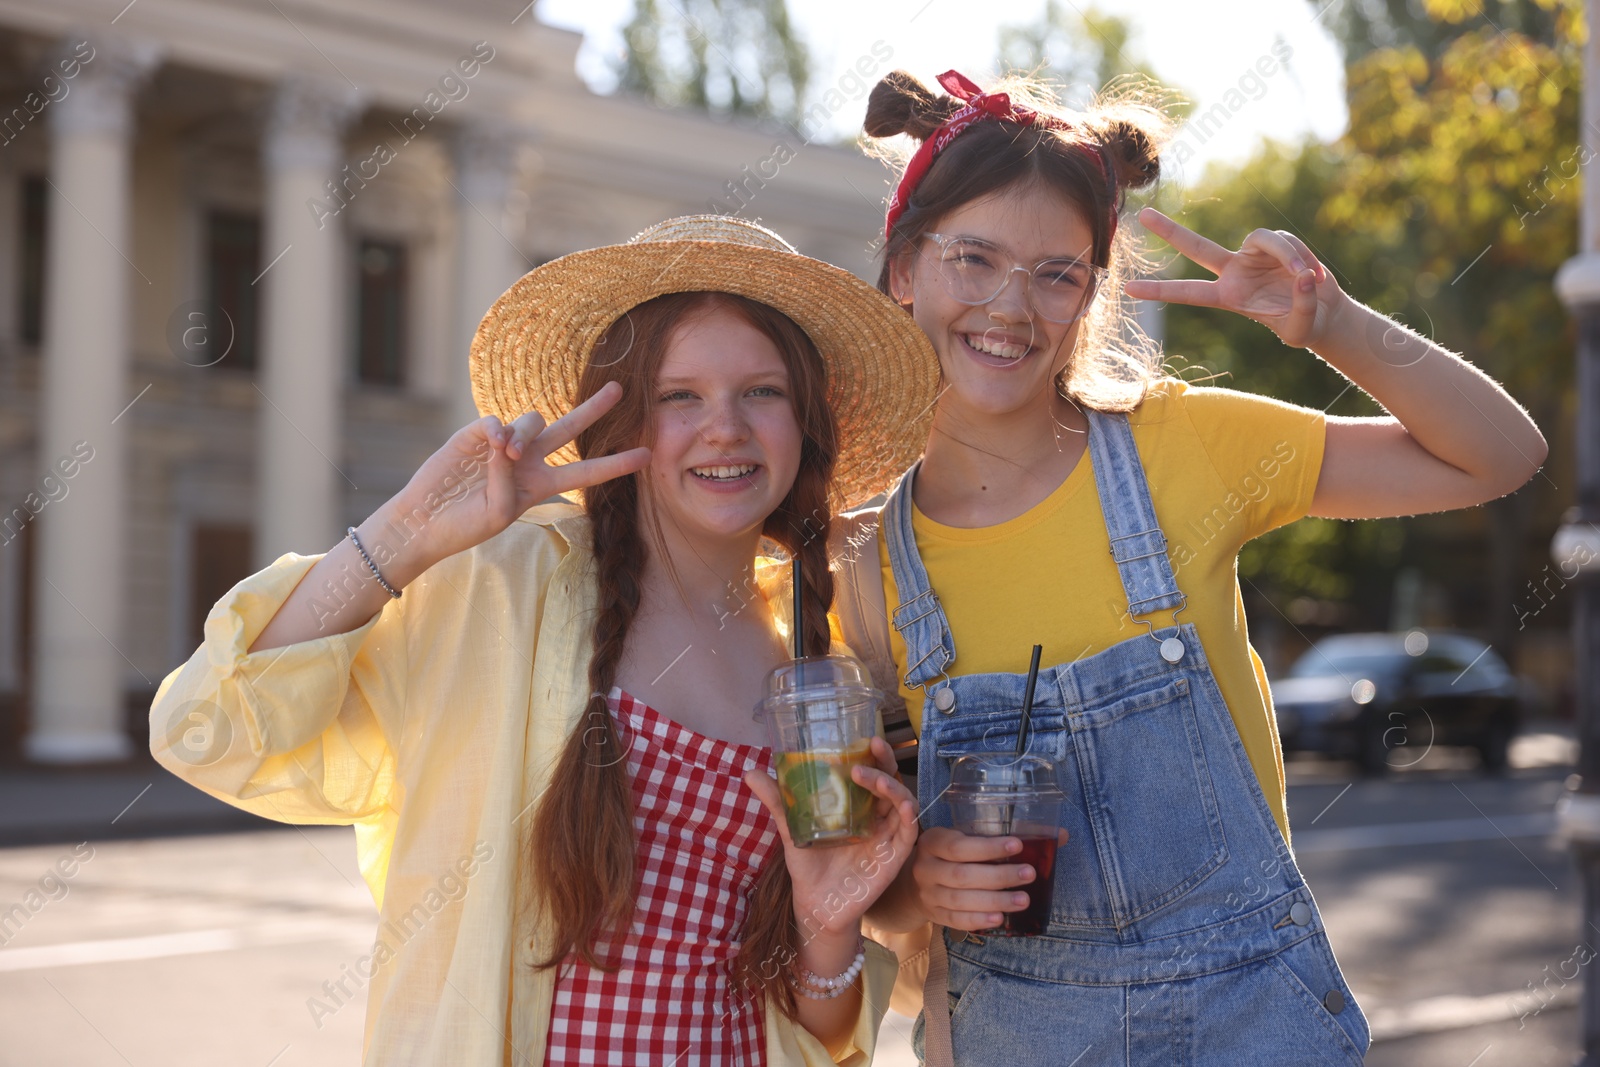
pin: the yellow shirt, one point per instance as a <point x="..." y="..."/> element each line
<point x="1223" y="467"/>
<point x="432" y="729"/>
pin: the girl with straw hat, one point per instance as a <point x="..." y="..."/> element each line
<point x="539" y="718"/>
<point x="1072" y="494"/>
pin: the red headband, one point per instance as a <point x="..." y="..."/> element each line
<point x="980" y="106"/>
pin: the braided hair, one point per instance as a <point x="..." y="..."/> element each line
<point x="582" y="830"/>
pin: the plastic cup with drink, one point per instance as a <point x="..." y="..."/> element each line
<point x="1001" y="794"/>
<point x="1011" y="794"/>
<point x="822" y="715"/>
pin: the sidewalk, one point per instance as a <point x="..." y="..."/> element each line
<point x="43" y="805"/>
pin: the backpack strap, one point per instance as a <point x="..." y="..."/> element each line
<point x="863" y="616"/>
<point x="860" y="605"/>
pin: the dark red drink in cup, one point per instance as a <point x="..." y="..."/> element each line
<point x="1040" y="854"/>
<point x="998" y="794"/>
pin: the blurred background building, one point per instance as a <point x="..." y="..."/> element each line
<point x="243" y="246"/>
<point x="236" y="291"/>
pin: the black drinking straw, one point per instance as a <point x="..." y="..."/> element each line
<point x="1027" y="700"/>
<point x="798" y="624"/>
<point x="799" y="610"/>
<point x="1022" y="729"/>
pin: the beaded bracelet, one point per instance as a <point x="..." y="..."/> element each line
<point x="813" y="986"/>
<point x="371" y="566"/>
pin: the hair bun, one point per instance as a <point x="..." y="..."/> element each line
<point x="1135" y="157"/>
<point x="899" y="103"/>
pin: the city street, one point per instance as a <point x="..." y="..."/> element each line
<point x="1445" y="895"/>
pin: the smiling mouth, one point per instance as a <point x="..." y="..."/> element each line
<point x="724" y="473"/>
<point x="1006" y="350"/>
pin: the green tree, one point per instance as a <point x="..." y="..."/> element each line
<point x="735" y="57"/>
<point x="1078" y="51"/>
<point x="1471" y="163"/>
<point x="1450" y="204"/>
<point x="1364" y="26"/>
<point x="1291" y="576"/>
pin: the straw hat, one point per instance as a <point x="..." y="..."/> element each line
<point x="882" y="373"/>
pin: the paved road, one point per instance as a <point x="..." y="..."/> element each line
<point x="1444" y="896"/>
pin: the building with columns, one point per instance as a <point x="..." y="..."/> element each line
<point x="243" y="248"/>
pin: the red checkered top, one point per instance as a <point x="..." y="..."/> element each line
<point x="702" y="839"/>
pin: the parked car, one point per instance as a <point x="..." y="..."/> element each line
<point x="1365" y="696"/>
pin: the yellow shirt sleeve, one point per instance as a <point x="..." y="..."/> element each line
<point x="300" y="733"/>
<point x="1266" y="452"/>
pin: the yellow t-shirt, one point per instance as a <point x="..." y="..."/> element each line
<point x="1223" y="467"/>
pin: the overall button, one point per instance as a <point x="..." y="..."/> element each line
<point x="1300" y="913"/>
<point x="1172" y="650"/>
<point x="1334" y="1001"/>
<point x="945" y="700"/>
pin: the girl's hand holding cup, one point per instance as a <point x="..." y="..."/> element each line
<point x="834" y="886"/>
<point x="965" y="881"/>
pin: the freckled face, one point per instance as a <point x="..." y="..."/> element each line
<point x="727" y="443"/>
<point x="1000" y="357"/>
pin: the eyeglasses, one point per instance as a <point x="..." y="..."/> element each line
<point x="975" y="272"/>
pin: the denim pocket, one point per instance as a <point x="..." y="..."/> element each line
<point x="1148" y="794"/>
<point x="1079" y="900"/>
<point x="1002" y="1020"/>
<point x="996" y="731"/>
<point x="1311" y="973"/>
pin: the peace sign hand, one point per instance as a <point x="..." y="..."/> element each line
<point x="1273" y="279"/>
<point x="489" y="473"/>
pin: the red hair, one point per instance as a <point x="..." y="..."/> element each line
<point x="582" y="832"/>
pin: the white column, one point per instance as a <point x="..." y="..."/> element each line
<point x="487" y="261"/>
<point x="302" y="478"/>
<point x="79" y="674"/>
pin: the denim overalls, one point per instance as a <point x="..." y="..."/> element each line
<point x="1180" y="930"/>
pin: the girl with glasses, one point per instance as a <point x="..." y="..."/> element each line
<point x="1074" y="495"/>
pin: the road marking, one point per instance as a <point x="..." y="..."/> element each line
<point x="187" y="943"/>
<point x="1436" y="1014"/>
<point x="1505" y="835"/>
<point x="1432" y="832"/>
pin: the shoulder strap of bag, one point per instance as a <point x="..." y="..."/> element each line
<point x="863" y="616"/>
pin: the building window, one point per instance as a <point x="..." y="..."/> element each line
<point x="219" y="557"/>
<point x="233" y="260"/>
<point x="380" y="313"/>
<point x="30" y="293"/>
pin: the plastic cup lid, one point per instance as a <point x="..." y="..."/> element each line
<point x="816" y="679"/>
<point x="1003" y="774"/>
